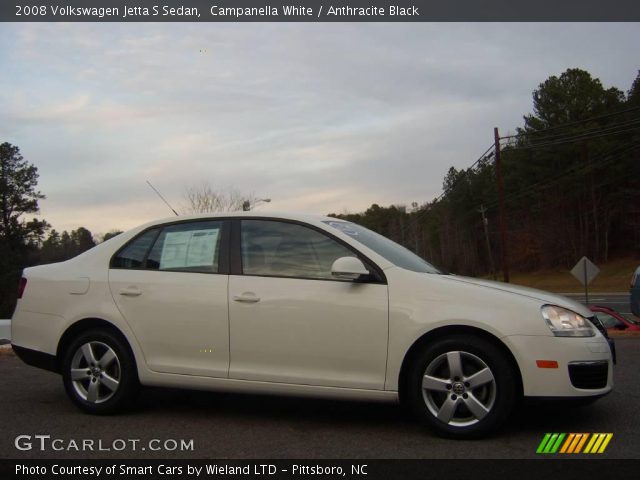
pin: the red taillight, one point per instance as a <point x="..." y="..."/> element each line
<point x="21" y="286"/>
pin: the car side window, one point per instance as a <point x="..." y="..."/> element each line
<point x="187" y="247"/>
<point x="282" y="249"/>
<point x="607" y="320"/>
<point x="133" y="254"/>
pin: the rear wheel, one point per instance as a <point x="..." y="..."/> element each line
<point x="463" y="387"/>
<point x="99" y="372"/>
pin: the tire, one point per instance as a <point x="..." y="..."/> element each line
<point x="471" y="401"/>
<point x="99" y="373"/>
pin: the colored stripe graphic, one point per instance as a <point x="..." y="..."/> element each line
<point x="567" y="443"/>
<point x="582" y="441"/>
<point x="573" y="443"/>
<point x="579" y="440"/>
<point x="598" y="443"/>
<point x="607" y="439"/>
<point x="551" y="443"/>
<point x="543" y="443"/>
<point x="592" y="440"/>
<point x="556" y="446"/>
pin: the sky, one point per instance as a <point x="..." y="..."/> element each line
<point x="318" y="117"/>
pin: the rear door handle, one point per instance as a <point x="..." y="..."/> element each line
<point x="130" y="292"/>
<point x="247" y="297"/>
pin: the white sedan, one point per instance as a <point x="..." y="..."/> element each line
<point x="302" y="305"/>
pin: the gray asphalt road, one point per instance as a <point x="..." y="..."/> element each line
<point x="247" y="426"/>
<point x="617" y="301"/>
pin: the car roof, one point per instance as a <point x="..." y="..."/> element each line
<point x="302" y="217"/>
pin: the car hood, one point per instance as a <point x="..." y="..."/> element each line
<point x="541" y="295"/>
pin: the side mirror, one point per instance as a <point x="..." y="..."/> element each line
<point x="621" y="326"/>
<point x="348" y="268"/>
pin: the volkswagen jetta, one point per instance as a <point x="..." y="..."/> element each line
<point x="302" y="305"/>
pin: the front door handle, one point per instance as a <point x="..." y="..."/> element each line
<point x="130" y="292"/>
<point x="247" y="297"/>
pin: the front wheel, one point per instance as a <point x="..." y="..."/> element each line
<point x="99" y="373"/>
<point x="463" y="387"/>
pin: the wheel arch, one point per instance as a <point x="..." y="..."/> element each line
<point x="443" y="332"/>
<point x="84" y="325"/>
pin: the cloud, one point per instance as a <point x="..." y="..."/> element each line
<point x="319" y="117"/>
<point x="67" y="110"/>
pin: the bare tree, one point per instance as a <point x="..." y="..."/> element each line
<point x="203" y="198"/>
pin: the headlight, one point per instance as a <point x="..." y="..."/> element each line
<point x="565" y="323"/>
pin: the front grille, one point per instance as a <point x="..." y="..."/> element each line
<point x="589" y="375"/>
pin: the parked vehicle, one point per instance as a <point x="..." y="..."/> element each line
<point x="613" y="320"/>
<point x="302" y="305"/>
<point x="634" y="293"/>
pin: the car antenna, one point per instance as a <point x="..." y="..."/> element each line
<point x="162" y="198"/>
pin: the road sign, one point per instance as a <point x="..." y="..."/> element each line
<point x="585" y="271"/>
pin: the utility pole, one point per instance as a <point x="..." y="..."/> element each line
<point x="503" y="221"/>
<point x="485" y="223"/>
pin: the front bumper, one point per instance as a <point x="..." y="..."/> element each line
<point x="612" y="347"/>
<point x="590" y="357"/>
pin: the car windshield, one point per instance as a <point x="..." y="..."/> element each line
<point x="396" y="254"/>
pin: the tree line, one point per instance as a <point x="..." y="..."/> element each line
<point x="26" y="242"/>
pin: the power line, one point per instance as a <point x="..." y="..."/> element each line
<point x="602" y="160"/>
<point x="586" y="132"/>
<point x="464" y="172"/>
<point x="460" y="220"/>
<point x="550" y="140"/>
<point x="611" y="130"/>
<point x="574" y="139"/>
<point x="564" y="125"/>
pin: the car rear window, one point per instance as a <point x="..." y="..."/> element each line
<point x="133" y="254"/>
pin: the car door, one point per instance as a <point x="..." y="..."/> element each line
<point x="291" y="321"/>
<point x="170" y="284"/>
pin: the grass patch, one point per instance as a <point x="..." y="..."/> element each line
<point x="614" y="276"/>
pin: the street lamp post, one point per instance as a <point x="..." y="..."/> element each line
<point x="247" y="205"/>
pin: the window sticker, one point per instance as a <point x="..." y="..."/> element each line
<point x="194" y="248"/>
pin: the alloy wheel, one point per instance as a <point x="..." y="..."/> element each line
<point x="95" y="372"/>
<point x="458" y="388"/>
